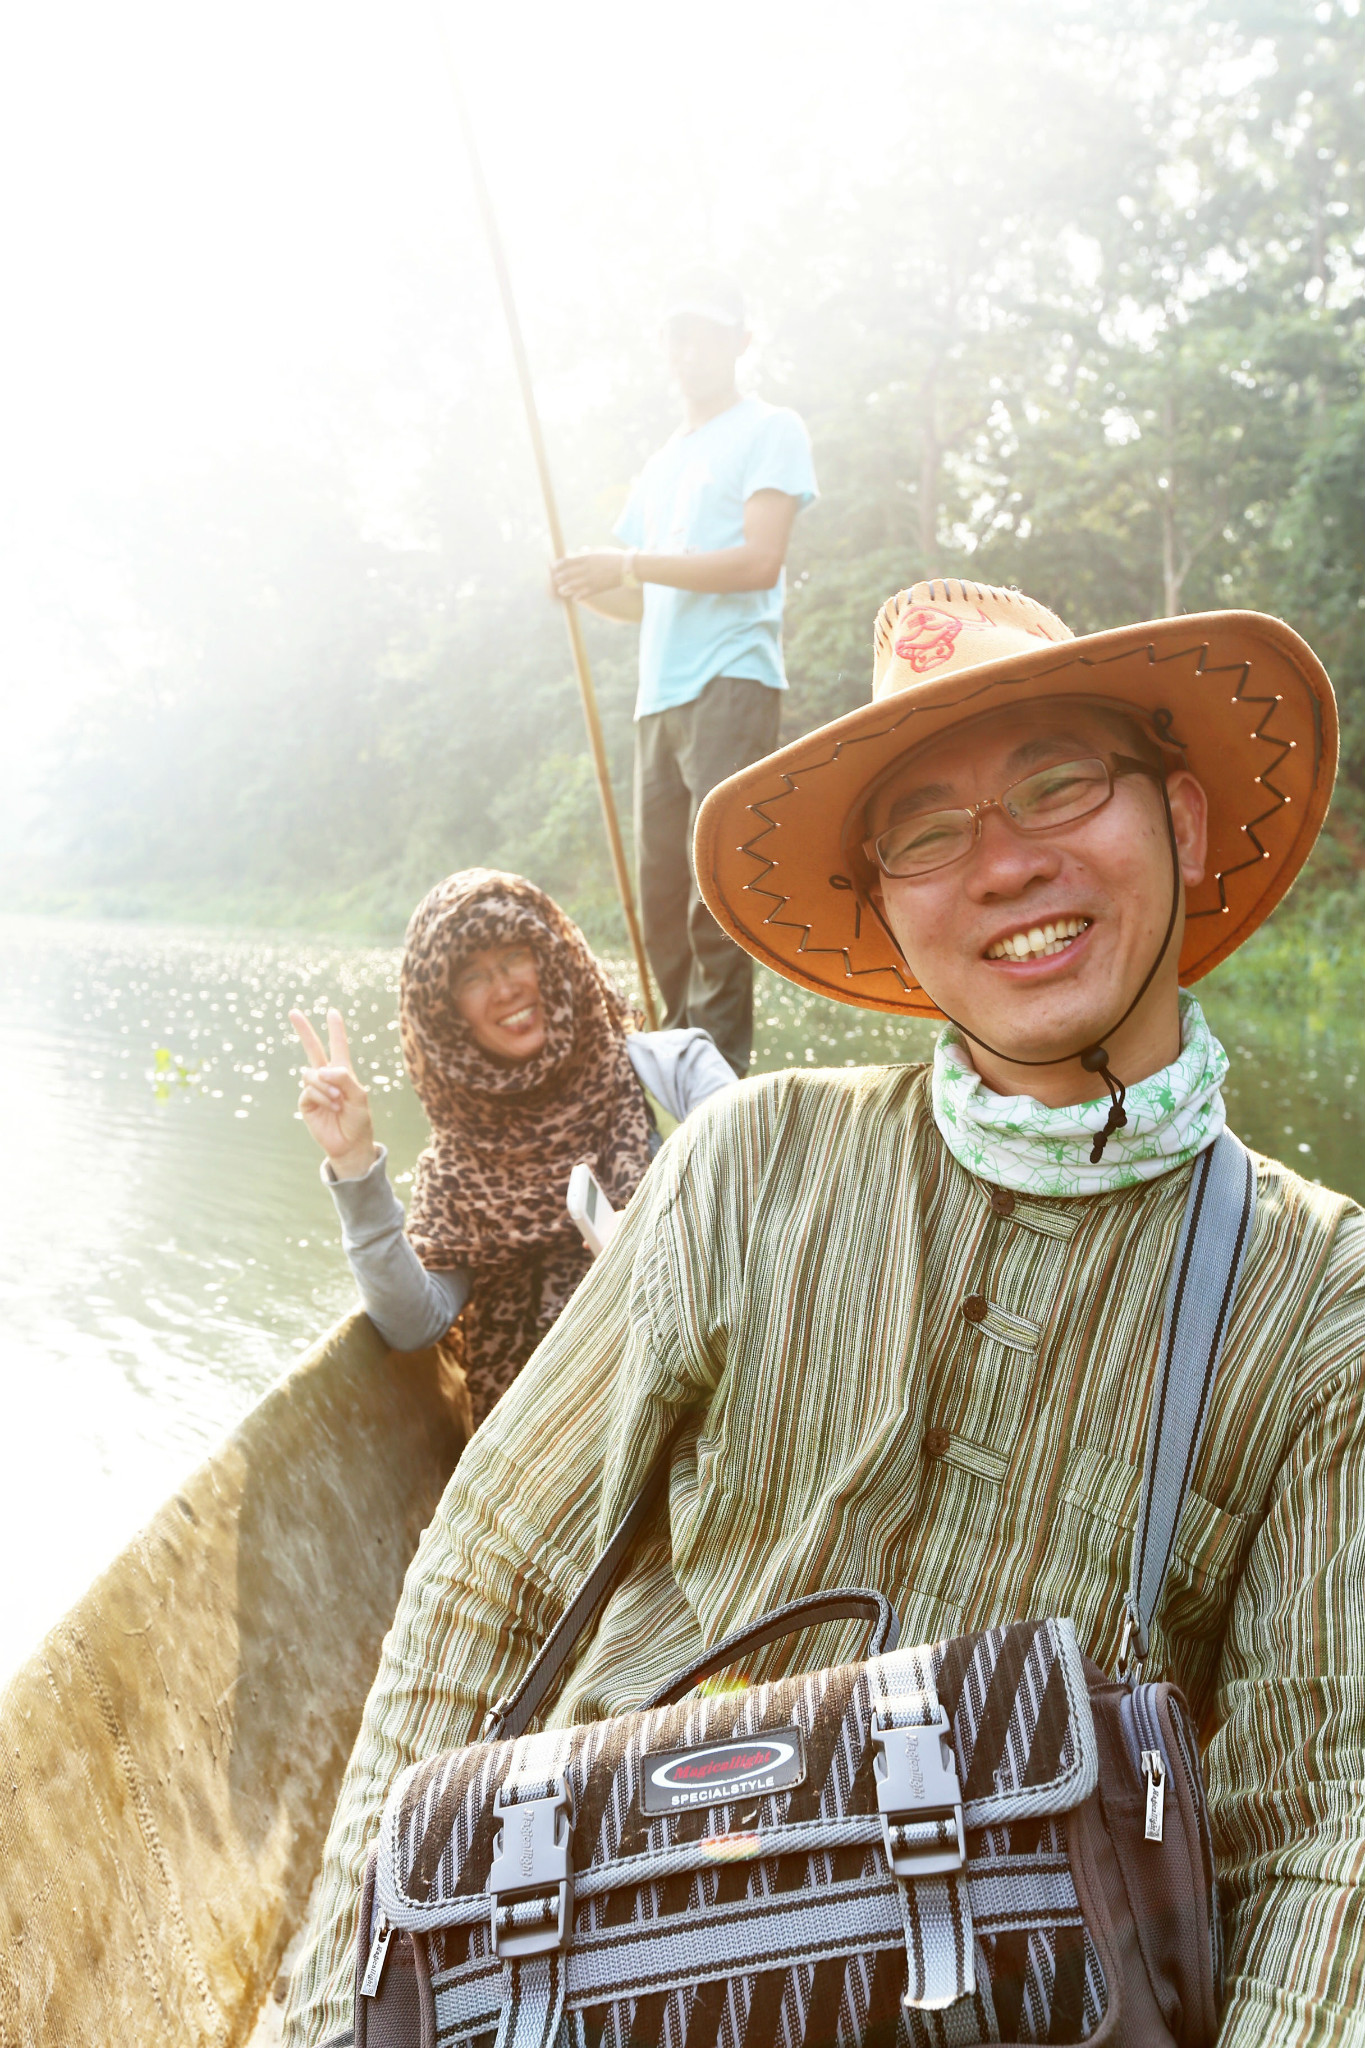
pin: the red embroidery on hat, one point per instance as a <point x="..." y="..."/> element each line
<point x="925" y="636"/>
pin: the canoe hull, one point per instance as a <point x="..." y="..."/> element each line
<point x="174" y="1748"/>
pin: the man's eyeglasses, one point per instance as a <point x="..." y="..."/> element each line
<point x="929" y="840"/>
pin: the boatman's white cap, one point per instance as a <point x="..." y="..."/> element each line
<point x="708" y="295"/>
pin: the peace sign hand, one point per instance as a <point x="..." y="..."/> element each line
<point x="333" y="1104"/>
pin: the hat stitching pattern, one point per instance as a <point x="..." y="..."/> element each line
<point x="780" y="902"/>
<point x="909" y="986"/>
<point x="1262" y="852"/>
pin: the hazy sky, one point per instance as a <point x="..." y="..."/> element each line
<point x="217" y="221"/>
<point x="208" y="207"/>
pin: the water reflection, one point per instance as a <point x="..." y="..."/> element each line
<point x="166" y="1246"/>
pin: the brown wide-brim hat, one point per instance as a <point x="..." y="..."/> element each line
<point x="1237" y="697"/>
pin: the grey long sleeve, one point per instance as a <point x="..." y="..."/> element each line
<point x="411" y="1306"/>
<point x="408" y="1305"/>
<point x="679" y="1068"/>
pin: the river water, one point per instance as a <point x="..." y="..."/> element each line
<point x="167" y="1248"/>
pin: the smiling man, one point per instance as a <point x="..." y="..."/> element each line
<point x="1037" y="938"/>
<point x="907" y="1317"/>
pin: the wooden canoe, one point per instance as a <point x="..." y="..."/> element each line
<point x="172" y="1751"/>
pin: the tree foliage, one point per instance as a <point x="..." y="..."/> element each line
<point x="1095" y="329"/>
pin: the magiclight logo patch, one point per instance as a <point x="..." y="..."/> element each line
<point x="746" y="1768"/>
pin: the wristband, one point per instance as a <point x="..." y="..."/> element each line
<point x="629" y="579"/>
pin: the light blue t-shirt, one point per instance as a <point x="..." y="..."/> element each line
<point x="689" y="498"/>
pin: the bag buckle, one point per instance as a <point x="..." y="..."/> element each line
<point x="918" y="1796"/>
<point x="530" y="1879"/>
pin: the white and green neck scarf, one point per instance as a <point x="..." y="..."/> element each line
<point x="1022" y="1144"/>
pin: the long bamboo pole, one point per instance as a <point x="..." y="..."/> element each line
<point x="582" y="670"/>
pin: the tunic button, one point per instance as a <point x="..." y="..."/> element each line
<point x="1002" y="1201"/>
<point x="936" y="1442"/>
<point x="974" y="1308"/>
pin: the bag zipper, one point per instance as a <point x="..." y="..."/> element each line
<point x="374" y="1963"/>
<point x="1142" y="1729"/>
<point x="1154" y="1771"/>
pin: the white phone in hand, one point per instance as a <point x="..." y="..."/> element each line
<point x="590" y="1209"/>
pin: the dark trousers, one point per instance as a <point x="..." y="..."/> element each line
<point x="703" y="976"/>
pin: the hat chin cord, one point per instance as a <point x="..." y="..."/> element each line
<point x="1095" y="1057"/>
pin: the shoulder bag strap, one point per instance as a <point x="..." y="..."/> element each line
<point x="1203" y="1284"/>
<point x="510" y="1717"/>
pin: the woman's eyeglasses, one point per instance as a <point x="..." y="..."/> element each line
<point x="929" y="840"/>
<point x="516" y="962"/>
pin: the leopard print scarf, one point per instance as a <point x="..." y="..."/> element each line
<point x="488" y="1191"/>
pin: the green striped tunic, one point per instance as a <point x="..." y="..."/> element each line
<point x="895" y="1376"/>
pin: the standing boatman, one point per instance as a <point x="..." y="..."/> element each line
<point x="701" y="567"/>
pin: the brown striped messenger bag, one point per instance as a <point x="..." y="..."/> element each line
<point x="982" y="1840"/>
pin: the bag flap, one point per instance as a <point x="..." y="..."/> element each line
<point x="765" y="1771"/>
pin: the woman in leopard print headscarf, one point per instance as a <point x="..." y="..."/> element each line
<point x="489" y="1189"/>
<point x="526" y="1061"/>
